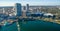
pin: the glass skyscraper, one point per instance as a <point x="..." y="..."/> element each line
<point x="27" y="7"/>
<point x="27" y="10"/>
<point x="18" y="9"/>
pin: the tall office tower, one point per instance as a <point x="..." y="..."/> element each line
<point x="27" y="7"/>
<point x="27" y="10"/>
<point x="18" y="9"/>
<point x="24" y="8"/>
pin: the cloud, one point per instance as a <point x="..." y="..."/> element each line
<point x="6" y="4"/>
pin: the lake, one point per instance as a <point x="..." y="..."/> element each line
<point x="36" y="25"/>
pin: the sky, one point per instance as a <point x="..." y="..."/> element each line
<point x="30" y="2"/>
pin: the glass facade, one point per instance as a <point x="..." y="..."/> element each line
<point x="18" y="8"/>
<point x="27" y="10"/>
<point x="27" y="7"/>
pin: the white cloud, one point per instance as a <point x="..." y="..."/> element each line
<point x="6" y="4"/>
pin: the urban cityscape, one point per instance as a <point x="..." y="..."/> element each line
<point x="12" y="14"/>
<point x="30" y="17"/>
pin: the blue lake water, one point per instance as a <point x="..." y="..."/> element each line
<point x="39" y="26"/>
<point x="32" y="26"/>
<point x="12" y="27"/>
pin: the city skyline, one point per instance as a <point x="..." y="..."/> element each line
<point x="30" y="2"/>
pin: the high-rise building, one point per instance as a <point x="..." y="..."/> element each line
<point x="18" y="9"/>
<point x="27" y="7"/>
<point x="24" y="8"/>
<point x="27" y="10"/>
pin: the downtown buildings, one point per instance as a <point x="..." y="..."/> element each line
<point x="11" y="10"/>
<point x="19" y="10"/>
<point x="27" y="11"/>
